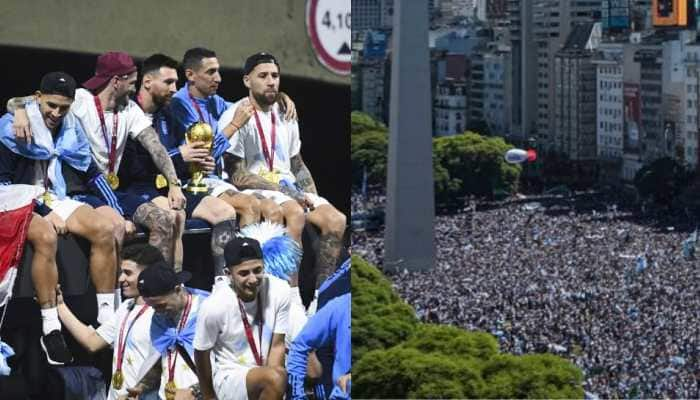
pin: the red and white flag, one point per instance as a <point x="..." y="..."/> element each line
<point x="16" y="206"/>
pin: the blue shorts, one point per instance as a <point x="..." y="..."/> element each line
<point x="148" y="190"/>
<point x="129" y="202"/>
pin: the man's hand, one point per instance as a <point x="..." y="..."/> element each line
<point x="288" y="104"/>
<point x="59" y="295"/>
<point x="175" y="198"/>
<point x="129" y="228"/>
<point x="132" y="394"/>
<point x="21" y="126"/>
<point x="243" y="113"/>
<point x="208" y="165"/>
<point x="343" y="382"/>
<point x="194" y="152"/>
<point x="58" y="223"/>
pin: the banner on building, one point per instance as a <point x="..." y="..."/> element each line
<point x="670" y="12"/>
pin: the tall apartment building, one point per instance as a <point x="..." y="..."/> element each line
<point x="449" y="107"/>
<point x="497" y="88"/>
<point x="552" y="21"/>
<point x="366" y="14"/>
<point x="374" y="74"/>
<point x="574" y="135"/>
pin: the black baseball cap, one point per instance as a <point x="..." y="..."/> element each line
<point x="58" y="83"/>
<point x="241" y="249"/>
<point x="258" y="58"/>
<point x="159" y="279"/>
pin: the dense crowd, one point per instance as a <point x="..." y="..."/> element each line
<point x="602" y="284"/>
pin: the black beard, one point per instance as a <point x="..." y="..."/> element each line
<point x="263" y="101"/>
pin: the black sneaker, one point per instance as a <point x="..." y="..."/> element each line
<point x="55" y="348"/>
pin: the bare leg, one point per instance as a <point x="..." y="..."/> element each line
<point x="117" y="223"/>
<point x="331" y="222"/>
<point x="161" y="226"/>
<point x="247" y="206"/>
<point x="43" y="238"/>
<point x="266" y="383"/>
<point x="222" y="217"/>
<point x="271" y="212"/>
<point x="294" y="219"/>
<point x="89" y="224"/>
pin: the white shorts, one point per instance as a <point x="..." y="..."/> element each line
<point x="278" y="197"/>
<point x="229" y="383"/>
<point x="63" y="208"/>
<point x="316" y="199"/>
<point x="219" y="186"/>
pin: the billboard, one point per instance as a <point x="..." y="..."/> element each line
<point x="670" y="12"/>
<point x="615" y="14"/>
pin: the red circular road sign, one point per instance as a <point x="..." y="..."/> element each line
<point x="328" y="26"/>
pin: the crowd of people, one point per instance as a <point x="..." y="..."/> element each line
<point x="103" y="160"/>
<point x="586" y="277"/>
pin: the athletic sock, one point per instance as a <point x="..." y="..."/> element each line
<point x="49" y="320"/>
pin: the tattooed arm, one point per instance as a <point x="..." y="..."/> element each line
<point x="151" y="380"/>
<point x="17" y="103"/>
<point x="244" y="179"/>
<point x="301" y="172"/>
<point x="150" y="141"/>
<point x="21" y="123"/>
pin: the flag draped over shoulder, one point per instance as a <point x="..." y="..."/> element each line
<point x="16" y="206"/>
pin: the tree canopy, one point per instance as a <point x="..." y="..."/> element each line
<point x="464" y="164"/>
<point x="395" y="356"/>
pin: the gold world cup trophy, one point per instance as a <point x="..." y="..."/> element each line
<point x="199" y="132"/>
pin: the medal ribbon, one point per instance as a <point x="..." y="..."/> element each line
<point x="269" y="155"/>
<point x="121" y="344"/>
<point x="199" y="110"/>
<point x="113" y="145"/>
<point x="249" y="330"/>
<point x="183" y="321"/>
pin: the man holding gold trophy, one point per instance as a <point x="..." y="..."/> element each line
<point x="196" y="102"/>
<point x="192" y="159"/>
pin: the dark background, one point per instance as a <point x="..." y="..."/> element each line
<point x="324" y="108"/>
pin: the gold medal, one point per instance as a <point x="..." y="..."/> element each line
<point x="46" y="198"/>
<point x="117" y="379"/>
<point x="170" y="390"/>
<point x="113" y="180"/>
<point x="161" y="182"/>
<point x="270" y="176"/>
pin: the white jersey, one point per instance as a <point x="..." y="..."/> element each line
<point x="131" y="122"/>
<point x="246" y="142"/>
<point x="220" y="327"/>
<point x="138" y="343"/>
<point x="184" y="377"/>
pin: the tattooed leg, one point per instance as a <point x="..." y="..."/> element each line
<point x="221" y="234"/>
<point x="160" y="225"/>
<point x="247" y="206"/>
<point x="332" y="225"/>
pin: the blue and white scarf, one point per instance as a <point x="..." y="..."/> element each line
<point x="71" y="145"/>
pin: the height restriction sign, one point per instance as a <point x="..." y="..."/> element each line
<point x="328" y="25"/>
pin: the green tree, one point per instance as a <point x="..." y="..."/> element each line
<point x="403" y="372"/>
<point x="369" y="151"/>
<point x="531" y="376"/>
<point x="361" y="122"/>
<point x="662" y="180"/>
<point x="380" y="319"/>
<point x="472" y="164"/>
<point x="394" y="356"/>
